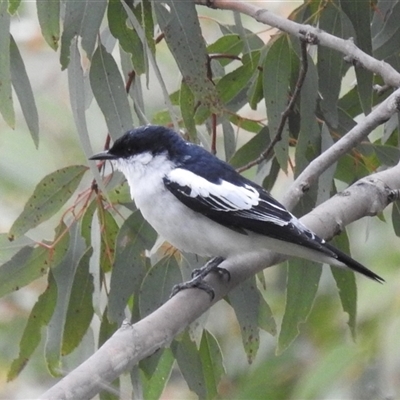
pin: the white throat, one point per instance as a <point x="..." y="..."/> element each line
<point x="144" y="173"/>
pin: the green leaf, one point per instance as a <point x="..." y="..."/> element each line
<point x="384" y="42"/>
<point x="80" y="307"/>
<point x="9" y="249"/>
<point x="86" y="223"/>
<point x="126" y="35"/>
<point x="252" y="149"/>
<point x="396" y="217"/>
<point x="13" y="6"/>
<point x="245" y="300"/>
<point x="121" y="195"/>
<point x="330" y="65"/>
<point x="212" y="363"/>
<point x="229" y="45"/>
<point x="190" y="364"/>
<point x="130" y="266"/>
<point x="23" y="90"/>
<point x="109" y="230"/>
<point x="229" y="139"/>
<point x="82" y="18"/>
<point x="108" y="89"/>
<point x="107" y="328"/>
<point x="38" y="318"/>
<point x="50" y="194"/>
<point x="266" y="319"/>
<point x="157" y="285"/>
<point x="49" y="19"/>
<point x="187" y="105"/>
<point x="180" y="24"/>
<point x="346" y="284"/>
<point x="276" y="79"/>
<point x="6" y="102"/>
<point x="307" y="147"/>
<point x="359" y="15"/>
<point x="233" y="83"/>
<point x="153" y="386"/>
<point x="302" y="285"/>
<point x="31" y="263"/>
<point x="64" y="274"/>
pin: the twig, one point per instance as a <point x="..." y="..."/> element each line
<point x="346" y="47"/>
<point x="285" y="114"/>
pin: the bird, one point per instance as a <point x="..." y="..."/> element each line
<point x="200" y="204"/>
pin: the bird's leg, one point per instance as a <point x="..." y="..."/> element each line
<point x="198" y="276"/>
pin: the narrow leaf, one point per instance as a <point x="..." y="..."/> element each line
<point x="38" y="318"/>
<point x="277" y="72"/>
<point x="9" y="249"/>
<point x="330" y="64"/>
<point x="80" y="308"/>
<point x="157" y="285"/>
<point x="64" y="274"/>
<point x="82" y="18"/>
<point x="359" y="15"/>
<point x="190" y="364"/>
<point x="211" y="360"/>
<point x="153" y="386"/>
<point x="31" y="263"/>
<point x="187" y="105"/>
<point x="50" y="194"/>
<point x="24" y="92"/>
<point x="180" y="24"/>
<point x="108" y="89"/>
<point x="346" y="284"/>
<point x="302" y="285"/>
<point x="49" y="19"/>
<point x="127" y="37"/>
<point x="245" y="300"/>
<point x="109" y="230"/>
<point x="6" y="102"/>
<point x="134" y="237"/>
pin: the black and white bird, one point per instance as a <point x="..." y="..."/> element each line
<point x="201" y="205"/>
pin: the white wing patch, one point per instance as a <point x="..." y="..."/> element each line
<point x="244" y="200"/>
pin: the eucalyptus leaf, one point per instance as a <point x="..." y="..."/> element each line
<point x="109" y="92"/>
<point x="245" y="300"/>
<point x="301" y="289"/>
<point x="49" y="19"/>
<point x="80" y="308"/>
<point x="50" y="194"/>
<point x="157" y="285"/>
<point x="64" y="274"/>
<point x="23" y="90"/>
<point x="276" y="78"/>
<point x="38" y="319"/>
<point x="6" y="102"/>
<point x="180" y="24"/>
<point x="130" y="266"/>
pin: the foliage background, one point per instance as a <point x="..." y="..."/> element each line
<point x="323" y="362"/>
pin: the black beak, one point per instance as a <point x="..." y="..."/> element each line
<point x="104" y="155"/>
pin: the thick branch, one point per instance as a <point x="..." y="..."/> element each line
<point x="130" y="344"/>
<point x="347" y="47"/>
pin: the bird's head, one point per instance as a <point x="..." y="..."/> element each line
<point x="149" y="141"/>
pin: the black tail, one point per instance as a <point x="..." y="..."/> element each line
<point x="353" y="264"/>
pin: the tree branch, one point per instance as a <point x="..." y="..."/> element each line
<point x="132" y="343"/>
<point x="316" y="167"/>
<point x="347" y="47"/>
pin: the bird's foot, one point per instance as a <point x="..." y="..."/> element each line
<point x="198" y="276"/>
